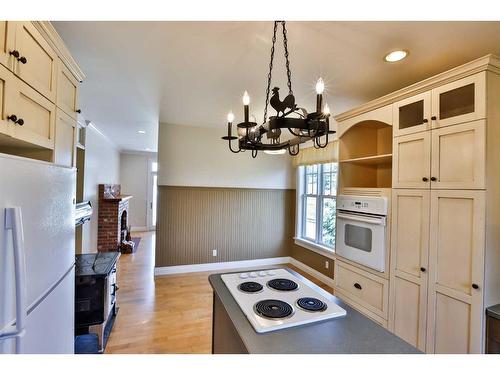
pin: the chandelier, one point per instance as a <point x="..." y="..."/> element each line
<point x="303" y="126"/>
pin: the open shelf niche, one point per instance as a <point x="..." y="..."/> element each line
<point x="365" y="155"/>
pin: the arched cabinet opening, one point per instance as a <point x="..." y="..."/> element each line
<point x="365" y="155"/>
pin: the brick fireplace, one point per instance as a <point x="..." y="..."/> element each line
<point x="112" y="217"/>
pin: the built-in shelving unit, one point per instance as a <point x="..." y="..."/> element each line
<point x="365" y="155"/>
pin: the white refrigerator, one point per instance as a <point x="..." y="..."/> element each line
<point x="37" y="256"/>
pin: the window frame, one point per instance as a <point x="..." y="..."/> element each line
<point x="302" y="195"/>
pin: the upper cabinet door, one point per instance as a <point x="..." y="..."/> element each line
<point x="411" y="161"/>
<point x="412" y="115"/>
<point x="7" y="80"/>
<point x="459" y="156"/>
<point x="65" y="139"/>
<point x="7" y="40"/>
<point x="38" y="116"/>
<point x="67" y="91"/>
<point x="456" y="271"/>
<point x="460" y="101"/>
<point x="39" y="66"/>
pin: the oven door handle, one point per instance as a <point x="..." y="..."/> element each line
<point x="362" y="218"/>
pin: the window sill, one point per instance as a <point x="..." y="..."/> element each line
<point x="321" y="250"/>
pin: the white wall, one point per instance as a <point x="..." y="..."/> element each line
<point x="102" y="166"/>
<point x="194" y="156"/>
<point x="135" y="180"/>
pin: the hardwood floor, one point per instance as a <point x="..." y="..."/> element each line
<point x="166" y="314"/>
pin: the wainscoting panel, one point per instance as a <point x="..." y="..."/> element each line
<point x="241" y="224"/>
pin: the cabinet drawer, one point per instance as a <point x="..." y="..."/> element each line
<point x="38" y="115"/>
<point x="67" y="91"/>
<point x="40" y="67"/>
<point x="362" y="287"/>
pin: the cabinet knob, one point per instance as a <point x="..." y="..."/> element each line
<point x="475" y="286"/>
<point x="78" y="111"/>
<point x="22" y="60"/>
<point x="433" y="118"/>
<point x="425" y="121"/>
<point x="422" y="269"/>
<point x="12" y="118"/>
<point x="425" y="179"/>
<point x="357" y="286"/>
<point x="14" y="53"/>
<point x="433" y="179"/>
<point x="20" y="122"/>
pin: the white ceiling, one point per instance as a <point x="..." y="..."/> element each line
<point x="193" y="73"/>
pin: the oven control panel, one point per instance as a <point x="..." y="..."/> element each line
<point x="368" y="205"/>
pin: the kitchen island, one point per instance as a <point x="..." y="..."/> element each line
<point x="351" y="334"/>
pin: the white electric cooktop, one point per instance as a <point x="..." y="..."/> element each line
<point x="276" y="299"/>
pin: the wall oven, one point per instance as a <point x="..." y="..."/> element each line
<point x="362" y="230"/>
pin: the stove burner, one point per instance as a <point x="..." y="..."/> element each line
<point x="282" y="284"/>
<point x="311" y="304"/>
<point x="273" y="309"/>
<point x="250" y="287"/>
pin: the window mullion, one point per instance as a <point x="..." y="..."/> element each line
<point x="319" y="224"/>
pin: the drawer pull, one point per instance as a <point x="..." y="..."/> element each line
<point x="475" y="286"/>
<point x="20" y="122"/>
<point x="14" y="53"/>
<point x="433" y="179"/>
<point x="433" y="118"/>
<point x="22" y="60"/>
<point x="78" y="111"/>
<point x="357" y="286"/>
<point x="425" y="121"/>
<point x="425" y="179"/>
<point x="422" y="269"/>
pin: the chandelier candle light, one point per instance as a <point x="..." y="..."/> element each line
<point x="302" y="125"/>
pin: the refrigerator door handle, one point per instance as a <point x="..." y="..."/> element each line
<point x="14" y="222"/>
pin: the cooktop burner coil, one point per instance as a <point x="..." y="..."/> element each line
<point x="282" y="285"/>
<point x="273" y="309"/>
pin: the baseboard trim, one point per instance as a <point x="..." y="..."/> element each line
<point x="311" y="271"/>
<point x="171" y="270"/>
<point x="204" y="267"/>
<point x="139" y="229"/>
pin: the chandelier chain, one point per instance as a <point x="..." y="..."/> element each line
<point x="288" y="71"/>
<point x="269" y="75"/>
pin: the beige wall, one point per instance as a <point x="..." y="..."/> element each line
<point x="135" y="181"/>
<point x="102" y="165"/>
<point x="194" y="156"/>
<point x="241" y="224"/>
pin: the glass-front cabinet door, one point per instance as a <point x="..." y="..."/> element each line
<point x="460" y="101"/>
<point x="412" y="115"/>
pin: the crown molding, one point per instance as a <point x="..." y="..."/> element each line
<point x="55" y="41"/>
<point x="488" y="62"/>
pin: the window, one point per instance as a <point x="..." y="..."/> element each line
<point x="316" y="202"/>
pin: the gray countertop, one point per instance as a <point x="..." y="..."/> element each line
<point x="494" y="311"/>
<point x="353" y="333"/>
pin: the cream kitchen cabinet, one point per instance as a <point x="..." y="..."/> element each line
<point x="65" y="139"/>
<point x="411" y="161"/>
<point x="409" y="265"/>
<point x="7" y="40"/>
<point x="460" y="101"/>
<point x="37" y="64"/>
<point x="456" y="271"/>
<point x="412" y="115"/>
<point x="67" y="91"/>
<point x="7" y="80"/>
<point x="446" y="158"/>
<point x="459" y="156"/>
<point x="35" y="117"/>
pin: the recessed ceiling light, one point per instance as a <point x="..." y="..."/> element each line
<point x="141" y="131"/>
<point x="397" y="55"/>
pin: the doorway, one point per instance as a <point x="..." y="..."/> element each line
<point x="152" y="194"/>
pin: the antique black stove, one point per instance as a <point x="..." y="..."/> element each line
<point x="95" y="293"/>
